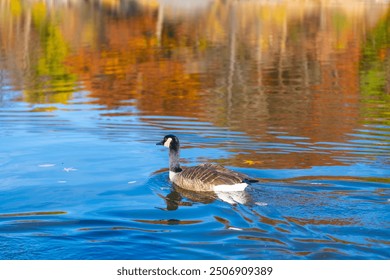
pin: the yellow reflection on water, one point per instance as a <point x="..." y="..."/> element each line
<point x="45" y="213"/>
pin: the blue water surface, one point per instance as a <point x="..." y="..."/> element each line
<point x="79" y="186"/>
<point x="294" y="94"/>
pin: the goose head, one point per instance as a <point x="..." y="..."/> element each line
<point x="170" y="141"/>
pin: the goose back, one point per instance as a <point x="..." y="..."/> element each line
<point x="206" y="176"/>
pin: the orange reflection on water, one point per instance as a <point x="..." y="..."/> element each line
<point x="252" y="66"/>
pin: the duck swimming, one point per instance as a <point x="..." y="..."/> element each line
<point x="205" y="177"/>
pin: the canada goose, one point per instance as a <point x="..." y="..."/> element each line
<point x="205" y="177"/>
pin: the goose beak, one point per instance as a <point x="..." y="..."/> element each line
<point x="160" y="143"/>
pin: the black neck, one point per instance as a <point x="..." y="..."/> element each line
<point x="174" y="158"/>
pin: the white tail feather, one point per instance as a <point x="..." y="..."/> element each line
<point x="230" y="188"/>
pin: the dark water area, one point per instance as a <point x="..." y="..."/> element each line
<point x="293" y="93"/>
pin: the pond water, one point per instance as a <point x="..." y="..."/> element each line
<point x="293" y="93"/>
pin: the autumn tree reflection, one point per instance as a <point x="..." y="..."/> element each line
<point x="257" y="67"/>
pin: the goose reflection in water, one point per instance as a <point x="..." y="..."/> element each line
<point x="176" y="197"/>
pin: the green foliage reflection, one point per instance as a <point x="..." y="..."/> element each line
<point x="52" y="82"/>
<point x="375" y="70"/>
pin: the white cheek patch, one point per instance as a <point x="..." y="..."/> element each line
<point x="168" y="142"/>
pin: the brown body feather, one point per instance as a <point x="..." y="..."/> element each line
<point x="206" y="176"/>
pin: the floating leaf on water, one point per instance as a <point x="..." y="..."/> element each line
<point x="252" y="162"/>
